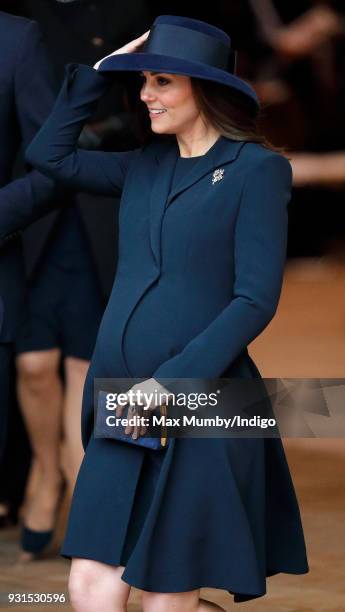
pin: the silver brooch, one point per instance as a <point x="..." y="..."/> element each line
<point x="217" y="175"/>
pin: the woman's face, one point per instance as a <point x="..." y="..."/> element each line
<point x="172" y="95"/>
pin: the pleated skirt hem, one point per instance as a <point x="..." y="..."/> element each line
<point x="184" y="587"/>
<point x="190" y="519"/>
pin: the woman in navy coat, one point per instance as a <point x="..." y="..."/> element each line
<point x="202" y="243"/>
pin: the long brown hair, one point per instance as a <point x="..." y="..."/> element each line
<point x="232" y="113"/>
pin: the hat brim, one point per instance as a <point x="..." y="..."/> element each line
<point x="164" y="63"/>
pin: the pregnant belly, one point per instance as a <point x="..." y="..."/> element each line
<point x="150" y="334"/>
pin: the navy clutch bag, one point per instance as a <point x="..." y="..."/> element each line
<point x="107" y="426"/>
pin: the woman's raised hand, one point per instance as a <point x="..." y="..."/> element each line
<point x="130" y="47"/>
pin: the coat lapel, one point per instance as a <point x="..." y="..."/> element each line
<point x="166" y="158"/>
<point x="222" y="152"/>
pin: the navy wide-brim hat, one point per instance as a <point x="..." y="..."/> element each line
<point x="180" y="45"/>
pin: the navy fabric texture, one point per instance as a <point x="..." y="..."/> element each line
<point x="64" y="307"/>
<point x="26" y="98"/>
<point x="199" y="276"/>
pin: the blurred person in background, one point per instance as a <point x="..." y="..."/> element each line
<point x="294" y="55"/>
<point x="301" y="77"/>
<point x="70" y="262"/>
<point x="25" y="85"/>
<point x="34" y="329"/>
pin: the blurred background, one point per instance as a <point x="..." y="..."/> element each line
<point x="293" y="54"/>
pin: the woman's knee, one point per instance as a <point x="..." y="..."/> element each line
<point x="38" y="368"/>
<point x="93" y="585"/>
<point x="170" y="602"/>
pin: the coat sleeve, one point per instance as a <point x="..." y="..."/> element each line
<point x="34" y="83"/>
<point x="25" y="199"/>
<point x="259" y="257"/>
<point x="54" y="149"/>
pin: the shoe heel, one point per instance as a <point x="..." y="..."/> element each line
<point x="35" y="541"/>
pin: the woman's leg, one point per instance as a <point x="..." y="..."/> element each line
<point x="40" y="396"/>
<point x="188" y="601"/>
<point x="72" y="450"/>
<point x="31" y="486"/>
<point x="97" y="586"/>
<point x="208" y="606"/>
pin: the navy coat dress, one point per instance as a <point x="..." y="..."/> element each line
<point x="199" y="277"/>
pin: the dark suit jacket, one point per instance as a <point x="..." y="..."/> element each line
<point x="25" y="100"/>
<point x="84" y="32"/>
<point x="227" y="236"/>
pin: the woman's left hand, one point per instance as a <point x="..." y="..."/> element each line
<point x="142" y="398"/>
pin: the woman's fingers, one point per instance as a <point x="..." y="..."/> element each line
<point x="138" y="429"/>
<point x="118" y="410"/>
<point x="135" y="434"/>
<point x="143" y="37"/>
<point x="128" y="48"/>
<point x="134" y="44"/>
<point x="130" y="413"/>
<point x="144" y="398"/>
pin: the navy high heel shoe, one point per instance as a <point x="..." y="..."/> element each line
<point x="35" y="541"/>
